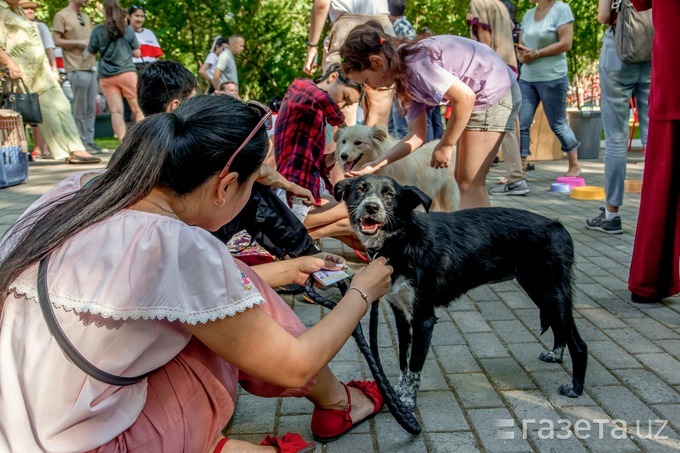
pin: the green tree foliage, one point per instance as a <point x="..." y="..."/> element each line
<point x="275" y="32"/>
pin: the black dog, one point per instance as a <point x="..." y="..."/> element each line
<point x="439" y="256"/>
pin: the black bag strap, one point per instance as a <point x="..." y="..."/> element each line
<point x="20" y="83"/>
<point x="65" y="344"/>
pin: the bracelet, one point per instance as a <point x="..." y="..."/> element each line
<point x="309" y="44"/>
<point x="363" y="296"/>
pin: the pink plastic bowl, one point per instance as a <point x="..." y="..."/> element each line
<point x="573" y="181"/>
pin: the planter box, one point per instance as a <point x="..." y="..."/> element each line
<point x="587" y="127"/>
<point x="102" y="126"/>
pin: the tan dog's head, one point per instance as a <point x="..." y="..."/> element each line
<point x="356" y="145"/>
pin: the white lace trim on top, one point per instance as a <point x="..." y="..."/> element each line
<point x="24" y="289"/>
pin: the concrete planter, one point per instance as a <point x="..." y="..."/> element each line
<point x="102" y="126"/>
<point x="587" y="126"/>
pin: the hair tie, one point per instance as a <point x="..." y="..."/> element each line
<point x="179" y="122"/>
<point x="382" y="40"/>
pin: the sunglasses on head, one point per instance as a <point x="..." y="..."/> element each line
<point x="266" y="120"/>
<point x="80" y="19"/>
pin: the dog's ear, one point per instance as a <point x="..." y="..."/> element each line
<point x="340" y="190"/>
<point x="412" y="197"/>
<point x="380" y="133"/>
<point x="336" y="136"/>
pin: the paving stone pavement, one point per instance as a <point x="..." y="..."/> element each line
<point x="483" y="387"/>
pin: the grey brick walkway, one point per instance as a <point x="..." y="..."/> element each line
<point x="482" y="379"/>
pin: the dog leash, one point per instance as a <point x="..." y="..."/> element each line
<point x="401" y="414"/>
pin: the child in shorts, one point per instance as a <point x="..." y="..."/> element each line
<point x="300" y="147"/>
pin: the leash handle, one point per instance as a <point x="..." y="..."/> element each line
<point x="401" y="414"/>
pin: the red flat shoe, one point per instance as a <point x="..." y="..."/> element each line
<point x="290" y="443"/>
<point x="329" y="425"/>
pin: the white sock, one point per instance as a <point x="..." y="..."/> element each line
<point x="610" y="215"/>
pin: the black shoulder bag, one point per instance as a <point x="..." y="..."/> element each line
<point x="25" y="103"/>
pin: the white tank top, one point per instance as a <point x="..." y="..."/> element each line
<point x="363" y="7"/>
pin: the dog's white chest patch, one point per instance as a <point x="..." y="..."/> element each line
<point x="402" y="296"/>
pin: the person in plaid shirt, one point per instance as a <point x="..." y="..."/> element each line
<point x="300" y="146"/>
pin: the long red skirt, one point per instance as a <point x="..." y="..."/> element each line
<point x="654" y="270"/>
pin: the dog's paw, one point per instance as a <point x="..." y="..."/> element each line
<point x="407" y="389"/>
<point x="550" y="357"/>
<point x="408" y="399"/>
<point x="569" y="390"/>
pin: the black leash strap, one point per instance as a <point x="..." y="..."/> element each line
<point x="65" y="344"/>
<point x="401" y="414"/>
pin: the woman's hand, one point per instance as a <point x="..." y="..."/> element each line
<point x="298" y="191"/>
<point x="374" y="279"/>
<point x="310" y="61"/>
<point x="14" y="70"/>
<point x="526" y="55"/>
<point x="367" y="169"/>
<point x="304" y="266"/>
<point x="441" y="156"/>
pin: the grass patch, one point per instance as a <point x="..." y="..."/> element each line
<point x="110" y="143"/>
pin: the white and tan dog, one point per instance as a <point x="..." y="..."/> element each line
<point x="357" y="145"/>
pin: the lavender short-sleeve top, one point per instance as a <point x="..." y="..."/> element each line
<point x="430" y="74"/>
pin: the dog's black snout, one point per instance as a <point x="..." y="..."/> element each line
<point x="344" y="156"/>
<point x="372" y="207"/>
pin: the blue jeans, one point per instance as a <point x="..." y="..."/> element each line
<point x="553" y="94"/>
<point x="619" y="82"/>
<point x="397" y="125"/>
<point x="435" y="125"/>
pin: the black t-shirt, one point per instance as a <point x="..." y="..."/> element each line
<point x="116" y="56"/>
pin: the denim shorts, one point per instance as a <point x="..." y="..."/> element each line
<point x="500" y="117"/>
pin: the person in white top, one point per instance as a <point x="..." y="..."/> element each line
<point x="140" y="287"/>
<point x="207" y="69"/>
<point x="148" y="43"/>
<point x="345" y="15"/>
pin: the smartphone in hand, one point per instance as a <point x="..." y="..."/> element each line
<point x="326" y="277"/>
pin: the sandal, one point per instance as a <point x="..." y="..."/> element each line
<point x="290" y="443"/>
<point x="329" y="425"/>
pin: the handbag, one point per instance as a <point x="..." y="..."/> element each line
<point x="272" y="224"/>
<point x="65" y="344"/>
<point x="25" y="103"/>
<point x="633" y="33"/>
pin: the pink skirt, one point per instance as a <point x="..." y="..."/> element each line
<point x="191" y="399"/>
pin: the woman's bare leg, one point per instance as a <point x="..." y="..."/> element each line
<point x="115" y="102"/>
<point x="329" y="393"/>
<point x="476" y="151"/>
<point x="135" y="109"/>
<point x="574" y="167"/>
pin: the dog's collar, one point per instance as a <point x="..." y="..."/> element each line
<point x="372" y="253"/>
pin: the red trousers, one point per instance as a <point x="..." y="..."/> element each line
<point x="654" y="270"/>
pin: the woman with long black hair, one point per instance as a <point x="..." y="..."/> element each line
<point x="132" y="277"/>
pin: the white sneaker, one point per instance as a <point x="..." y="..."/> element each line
<point x="514" y="188"/>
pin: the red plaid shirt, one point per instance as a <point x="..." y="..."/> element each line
<point x="300" y="134"/>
